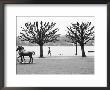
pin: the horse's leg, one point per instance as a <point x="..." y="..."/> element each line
<point x="21" y="59"/>
<point x="24" y="59"/>
<point x="30" y="55"/>
<point x="32" y="59"/>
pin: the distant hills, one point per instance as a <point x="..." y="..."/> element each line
<point x="62" y="42"/>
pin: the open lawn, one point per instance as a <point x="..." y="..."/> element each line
<point x="58" y="65"/>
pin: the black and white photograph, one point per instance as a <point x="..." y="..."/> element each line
<point x="55" y="44"/>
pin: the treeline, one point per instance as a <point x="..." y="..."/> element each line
<point x="61" y="42"/>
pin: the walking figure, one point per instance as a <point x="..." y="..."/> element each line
<point x="49" y="51"/>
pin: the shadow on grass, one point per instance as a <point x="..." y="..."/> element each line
<point x="25" y="63"/>
<point x="41" y="57"/>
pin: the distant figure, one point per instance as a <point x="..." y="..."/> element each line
<point x="49" y="51"/>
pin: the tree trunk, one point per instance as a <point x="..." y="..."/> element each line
<point x="41" y="51"/>
<point x="76" y="49"/>
<point x="83" y="52"/>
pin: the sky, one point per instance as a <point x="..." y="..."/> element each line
<point x="62" y="22"/>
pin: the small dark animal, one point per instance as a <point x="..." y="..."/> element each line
<point x="23" y="53"/>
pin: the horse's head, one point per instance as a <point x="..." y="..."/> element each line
<point x="19" y="48"/>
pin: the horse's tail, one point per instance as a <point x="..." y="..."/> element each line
<point x="33" y="53"/>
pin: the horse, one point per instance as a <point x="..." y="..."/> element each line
<point x="23" y="53"/>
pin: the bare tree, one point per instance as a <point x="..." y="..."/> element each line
<point x="81" y="33"/>
<point x="39" y="33"/>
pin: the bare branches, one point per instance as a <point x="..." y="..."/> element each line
<point x="81" y="33"/>
<point x="39" y="33"/>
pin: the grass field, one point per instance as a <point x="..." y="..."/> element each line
<point x="58" y="65"/>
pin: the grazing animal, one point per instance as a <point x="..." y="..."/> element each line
<point x="23" y="53"/>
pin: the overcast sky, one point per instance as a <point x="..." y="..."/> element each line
<point x="61" y="22"/>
